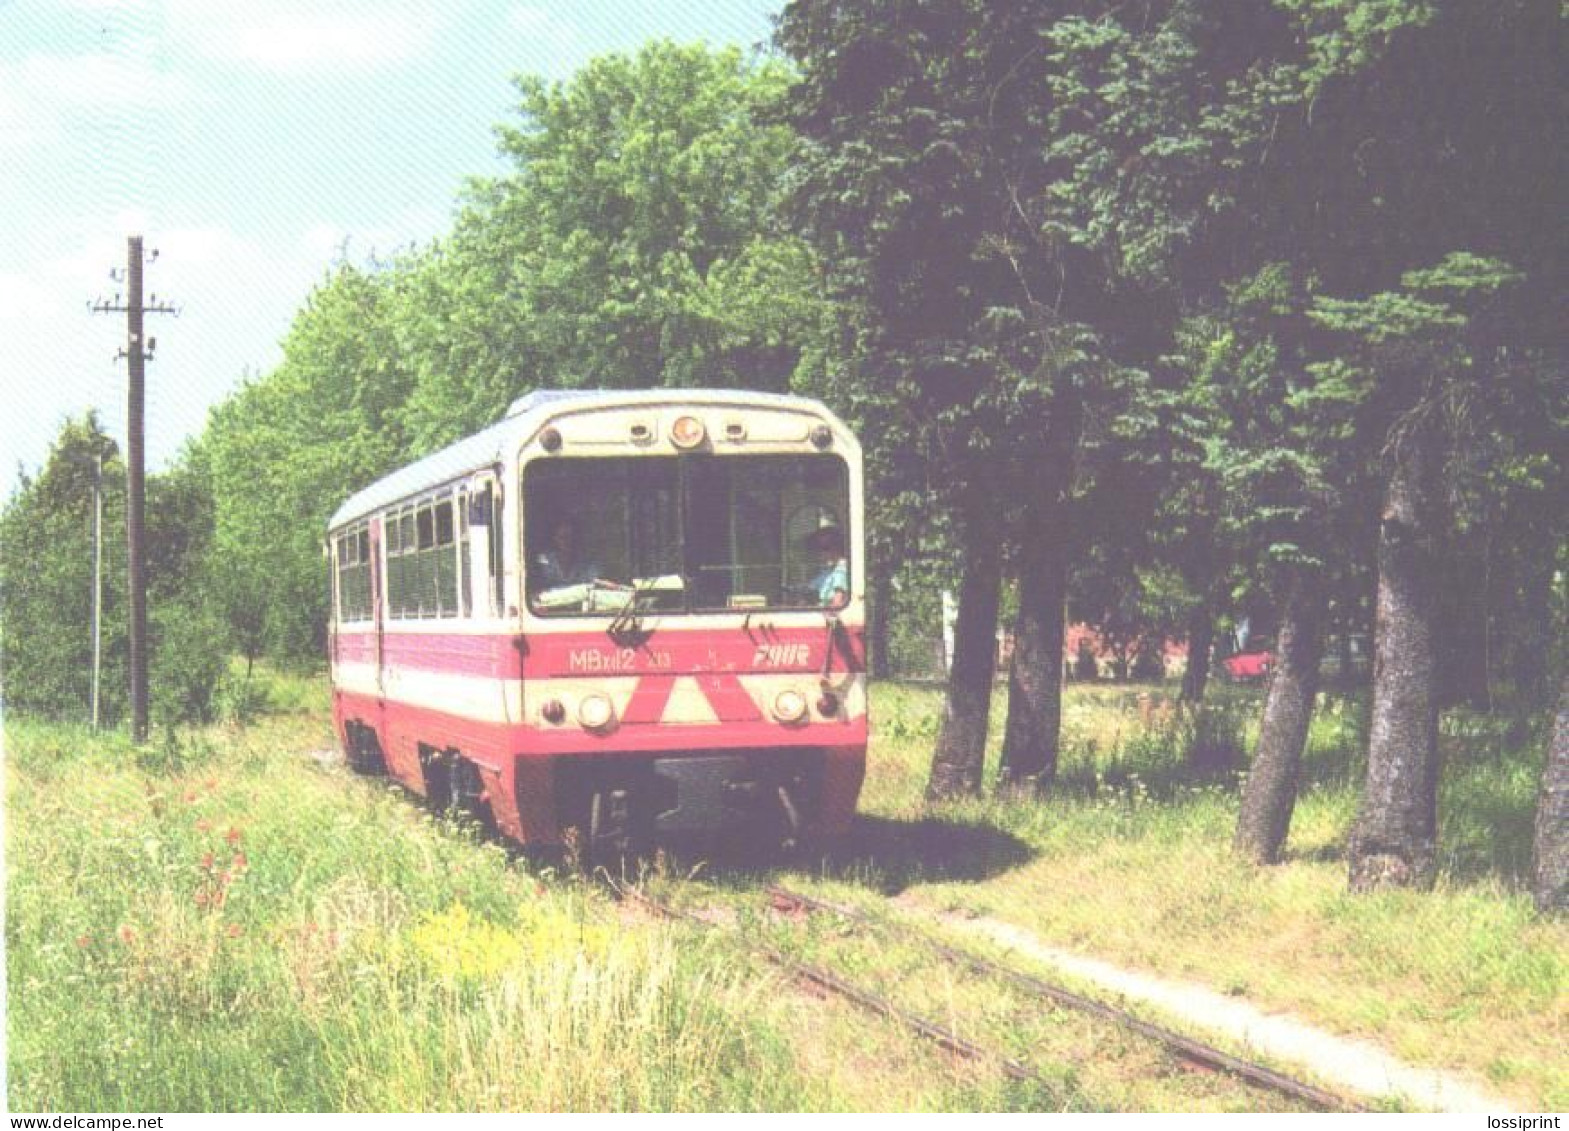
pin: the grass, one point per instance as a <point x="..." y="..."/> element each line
<point x="1130" y="861"/>
<point x="220" y="921"/>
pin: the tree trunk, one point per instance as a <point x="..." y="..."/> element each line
<point x="1550" y="875"/>
<point x="1029" y="748"/>
<point x="1201" y="643"/>
<point x="1271" y="790"/>
<point x="1394" y="842"/>
<point x="960" y="754"/>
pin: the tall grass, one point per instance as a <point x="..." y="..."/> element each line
<point x="240" y="928"/>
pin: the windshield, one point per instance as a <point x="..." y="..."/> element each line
<point x="686" y="534"/>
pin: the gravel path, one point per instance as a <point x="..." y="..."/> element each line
<point x="1352" y="1064"/>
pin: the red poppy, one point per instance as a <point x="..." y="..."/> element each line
<point x="240" y="863"/>
<point x="201" y="899"/>
<point x="84" y="940"/>
<point x="203" y="825"/>
<point x="232" y="836"/>
<point x="207" y="862"/>
<point x="234" y="930"/>
<point x="127" y="935"/>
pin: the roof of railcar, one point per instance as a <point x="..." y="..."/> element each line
<point x="524" y="416"/>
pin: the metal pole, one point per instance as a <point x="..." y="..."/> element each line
<point x="98" y="583"/>
<point x="135" y="487"/>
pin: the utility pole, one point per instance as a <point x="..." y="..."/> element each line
<point x="98" y="575"/>
<point x="136" y="352"/>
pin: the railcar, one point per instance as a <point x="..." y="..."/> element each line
<point x="613" y="618"/>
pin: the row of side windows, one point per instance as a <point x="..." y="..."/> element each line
<point x="422" y="562"/>
<point x="432" y="550"/>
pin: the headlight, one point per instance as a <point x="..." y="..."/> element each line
<point x="789" y="706"/>
<point x="687" y="432"/>
<point x="595" y="712"/>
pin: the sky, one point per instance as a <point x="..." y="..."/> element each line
<point x="254" y="144"/>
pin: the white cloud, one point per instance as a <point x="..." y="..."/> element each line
<point x="304" y="40"/>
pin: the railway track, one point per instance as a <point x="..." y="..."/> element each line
<point x="826" y="979"/>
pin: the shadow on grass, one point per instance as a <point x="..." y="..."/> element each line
<point x="882" y="854"/>
<point x="890" y="855"/>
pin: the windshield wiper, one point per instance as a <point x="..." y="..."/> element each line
<point x="625" y="628"/>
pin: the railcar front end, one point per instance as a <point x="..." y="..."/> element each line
<point x="642" y="619"/>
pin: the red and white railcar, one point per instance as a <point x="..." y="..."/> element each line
<point x="627" y="613"/>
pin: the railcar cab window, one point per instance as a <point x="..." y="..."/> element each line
<point x="676" y="534"/>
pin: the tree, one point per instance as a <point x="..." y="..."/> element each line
<point x="972" y="176"/>
<point x="1550" y="875"/>
<point x="1271" y="791"/>
<point x="1420" y="342"/>
<point x="634" y="244"/>
<point x="46" y="592"/>
<point x="46" y="589"/>
<point x="287" y="448"/>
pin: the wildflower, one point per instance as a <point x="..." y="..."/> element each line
<point x="84" y="940"/>
<point x="207" y="862"/>
<point x="203" y="825"/>
<point x="233" y="931"/>
<point x="190" y="797"/>
<point x="232" y="836"/>
<point x="127" y="935"/>
<point x="212" y="785"/>
<point x="240" y="863"/>
<point x="201" y="899"/>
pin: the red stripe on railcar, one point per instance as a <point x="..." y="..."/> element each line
<point x="543" y="655"/>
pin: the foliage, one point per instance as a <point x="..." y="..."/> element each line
<point x="636" y="243"/>
<point x="46" y="555"/>
<point x="46" y="585"/>
<point x="286" y="449"/>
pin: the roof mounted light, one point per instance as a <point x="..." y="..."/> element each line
<point x="550" y="440"/>
<point x="687" y="432"/>
<point x="821" y="437"/>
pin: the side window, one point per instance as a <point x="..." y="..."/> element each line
<point x="337" y="579"/>
<point x="444" y="555"/>
<point x="497" y="580"/>
<point x="353" y="575"/>
<point x="408" y="605"/>
<point x="425" y="562"/>
<point x="392" y="539"/>
<point x="465" y="563"/>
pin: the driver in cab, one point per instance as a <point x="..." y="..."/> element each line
<point x="562" y="563"/>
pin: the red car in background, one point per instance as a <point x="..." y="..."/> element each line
<point x="1250" y="666"/>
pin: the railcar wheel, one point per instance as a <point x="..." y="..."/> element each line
<point x="610" y="834"/>
<point x="364" y="750"/>
<point x="468" y="791"/>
